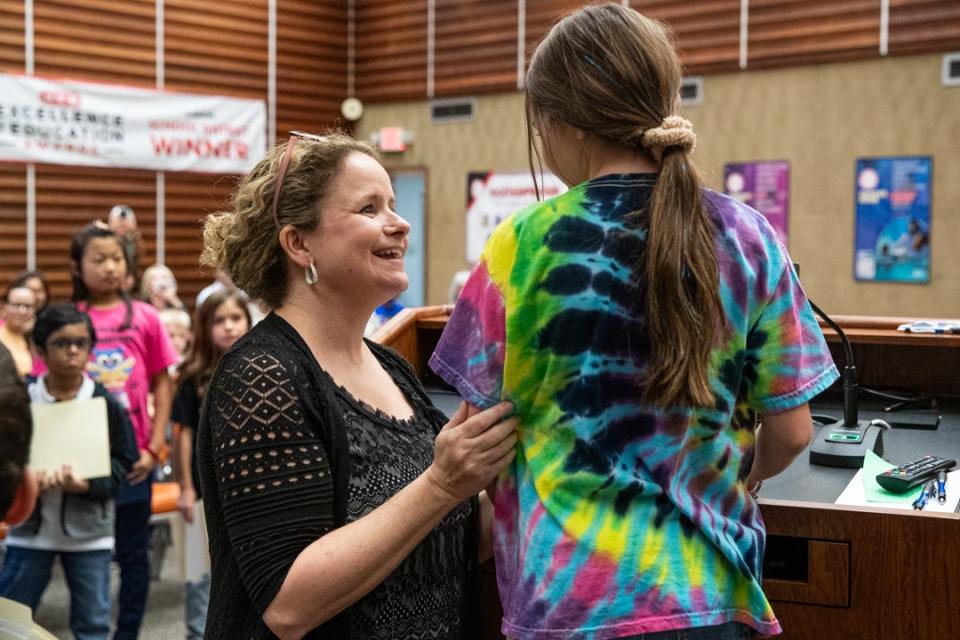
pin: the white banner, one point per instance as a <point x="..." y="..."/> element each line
<point x="492" y="196"/>
<point x="101" y="125"/>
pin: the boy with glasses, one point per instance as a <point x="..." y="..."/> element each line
<point x="74" y="516"/>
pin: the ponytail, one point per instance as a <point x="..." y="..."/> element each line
<point x="682" y="284"/>
<point x="614" y="74"/>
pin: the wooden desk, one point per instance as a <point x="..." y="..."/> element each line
<point x="890" y="359"/>
<point x="883" y="330"/>
<point x="864" y="573"/>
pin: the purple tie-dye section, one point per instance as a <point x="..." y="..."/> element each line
<point x="470" y="356"/>
<point x="783" y="342"/>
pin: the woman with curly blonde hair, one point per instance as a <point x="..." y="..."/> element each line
<point x="331" y="512"/>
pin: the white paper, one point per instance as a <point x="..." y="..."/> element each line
<point x="74" y="432"/>
<point x="855" y="495"/>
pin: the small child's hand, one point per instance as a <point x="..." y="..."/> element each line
<point x="141" y="468"/>
<point x="71" y="483"/>
<point x="45" y="480"/>
<point x="185" y="503"/>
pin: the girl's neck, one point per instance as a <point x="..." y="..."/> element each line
<point x="104" y="301"/>
<point x="618" y="161"/>
<point x="63" y="387"/>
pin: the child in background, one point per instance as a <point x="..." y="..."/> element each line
<point x="221" y="320"/>
<point x="73" y="517"/>
<point x="382" y="316"/>
<point x="130" y="360"/>
<point x="159" y="287"/>
<point x="123" y="222"/>
<point x="177" y="324"/>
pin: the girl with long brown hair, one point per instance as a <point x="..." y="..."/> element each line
<point x="639" y="323"/>
<point x="221" y="320"/>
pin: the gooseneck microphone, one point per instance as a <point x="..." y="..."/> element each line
<point x="845" y="442"/>
<point x="849" y="375"/>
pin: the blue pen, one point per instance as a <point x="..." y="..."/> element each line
<point x="926" y="494"/>
<point x="942" y="486"/>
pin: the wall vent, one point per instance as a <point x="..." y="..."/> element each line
<point x="691" y="91"/>
<point x="951" y="69"/>
<point x="456" y="110"/>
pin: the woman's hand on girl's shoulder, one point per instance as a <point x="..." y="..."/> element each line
<point x="470" y="452"/>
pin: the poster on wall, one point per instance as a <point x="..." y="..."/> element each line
<point x="893" y="219"/>
<point x="492" y="196"/>
<point x="765" y="186"/>
<point x="102" y="125"/>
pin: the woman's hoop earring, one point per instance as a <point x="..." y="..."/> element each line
<point x="310" y="275"/>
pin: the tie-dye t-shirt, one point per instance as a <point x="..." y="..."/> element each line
<point x="616" y="518"/>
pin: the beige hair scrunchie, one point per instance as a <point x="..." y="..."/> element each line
<point x="674" y="131"/>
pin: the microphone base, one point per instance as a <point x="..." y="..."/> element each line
<point x="837" y="445"/>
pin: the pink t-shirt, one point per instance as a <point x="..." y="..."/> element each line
<point x="125" y="361"/>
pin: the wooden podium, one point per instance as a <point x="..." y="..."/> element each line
<point x="832" y="572"/>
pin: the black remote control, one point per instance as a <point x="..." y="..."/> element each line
<point x="907" y="476"/>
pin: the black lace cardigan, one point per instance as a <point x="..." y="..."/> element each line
<point x="274" y="462"/>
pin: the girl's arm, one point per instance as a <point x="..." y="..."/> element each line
<point x="183" y="472"/>
<point x="162" y="390"/>
<point x="781" y="437"/>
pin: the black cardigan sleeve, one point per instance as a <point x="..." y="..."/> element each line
<point x="123" y="452"/>
<point x="271" y="472"/>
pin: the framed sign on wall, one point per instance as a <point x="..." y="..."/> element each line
<point x="765" y="186"/>
<point x="893" y="198"/>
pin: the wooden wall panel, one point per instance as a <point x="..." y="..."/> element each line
<point x="705" y="32"/>
<point x="924" y="26"/>
<point x="210" y="47"/>
<point x="540" y="16"/>
<point x="107" y="42"/>
<point x="793" y="32"/>
<point x="391" y="49"/>
<point x="70" y="197"/>
<point x="96" y="40"/>
<point x="476" y="46"/>
<point x="474" y="52"/>
<point x="190" y="197"/>
<point x="13" y="224"/>
<point x="311" y="64"/>
<point x="11" y="36"/>
<point x="216" y="47"/>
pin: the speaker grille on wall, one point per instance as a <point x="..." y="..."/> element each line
<point x="951" y="69"/>
<point x="691" y="91"/>
<point x="457" y="110"/>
